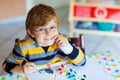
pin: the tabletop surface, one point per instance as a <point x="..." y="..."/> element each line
<point x="102" y="66"/>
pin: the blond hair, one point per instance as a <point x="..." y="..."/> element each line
<point x="40" y="15"/>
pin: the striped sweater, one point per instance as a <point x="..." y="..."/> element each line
<point x="28" y="50"/>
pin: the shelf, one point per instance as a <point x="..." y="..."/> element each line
<point x="94" y="28"/>
<point x="108" y="23"/>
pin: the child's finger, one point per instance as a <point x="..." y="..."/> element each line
<point x="55" y="37"/>
<point x="58" y="39"/>
<point x="30" y="64"/>
<point x="29" y="67"/>
<point x="33" y="65"/>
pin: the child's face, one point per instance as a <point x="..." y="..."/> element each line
<point x="44" y="35"/>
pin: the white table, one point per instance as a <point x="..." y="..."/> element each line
<point x="92" y="70"/>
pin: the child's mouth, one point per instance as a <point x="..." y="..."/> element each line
<point x="48" y="39"/>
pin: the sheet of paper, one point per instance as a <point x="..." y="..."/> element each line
<point x="45" y="76"/>
<point x="91" y="70"/>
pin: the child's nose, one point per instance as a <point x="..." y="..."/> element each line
<point x="47" y="31"/>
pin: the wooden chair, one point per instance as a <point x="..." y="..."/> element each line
<point x="79" y="41"/>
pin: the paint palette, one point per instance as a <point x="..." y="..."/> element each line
<point x="109" y="62"/>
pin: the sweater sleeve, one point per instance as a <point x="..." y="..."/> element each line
<point x="13" y="59"/>
<point x="77" y="57"/>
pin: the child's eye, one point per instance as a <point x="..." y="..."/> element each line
<point x="41" y="29"/>
<point x="52" y="27"/>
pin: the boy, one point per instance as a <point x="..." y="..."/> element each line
<point x="43" y="44"/>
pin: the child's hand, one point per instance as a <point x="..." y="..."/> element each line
<point x="61" y="40"/>
<point x="63" y="44"/>
<point x="29" y="67"/>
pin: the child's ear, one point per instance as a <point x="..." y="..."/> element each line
<point x="30" y="33"/>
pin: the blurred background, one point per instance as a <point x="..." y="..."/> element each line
<point x="12" y="25"/>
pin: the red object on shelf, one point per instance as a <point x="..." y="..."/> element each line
<point x="96" y="12"/>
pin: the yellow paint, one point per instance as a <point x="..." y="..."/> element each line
<point x="118" y="76"/>
<point x="110" y="55"/>
<point x="114" y="65"/>
<point x="96" y="57"/>
<point x="25" y="78"/>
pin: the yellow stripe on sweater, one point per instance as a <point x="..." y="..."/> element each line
<point x="4" y="65"/>
<point x="33" y="51"/>
<point x="22" y="43"/>
<point x="54" y="47"/>
<point x="78" y="59"/>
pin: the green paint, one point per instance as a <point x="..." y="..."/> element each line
<point x="3" y="78"/>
